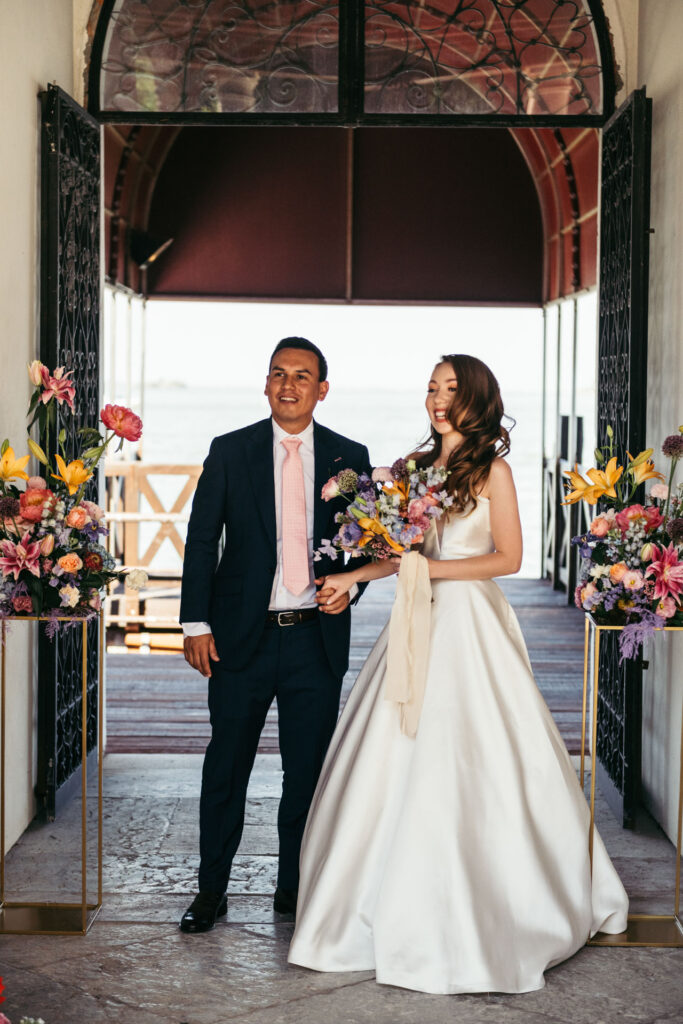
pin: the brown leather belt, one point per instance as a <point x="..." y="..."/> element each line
<point x="292" y="618"/>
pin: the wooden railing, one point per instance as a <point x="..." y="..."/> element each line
<point x="127" y="484"/>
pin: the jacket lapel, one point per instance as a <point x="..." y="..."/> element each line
<point x="258" y="458"/>
<point x="325" y="467"/>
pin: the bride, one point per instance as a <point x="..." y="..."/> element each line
<point x="457" y="860"/>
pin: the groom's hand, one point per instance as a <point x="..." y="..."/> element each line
<point x="200" y="651"/>
<point x="338" y="601"/>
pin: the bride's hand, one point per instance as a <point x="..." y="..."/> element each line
<point x="333" y="596"/>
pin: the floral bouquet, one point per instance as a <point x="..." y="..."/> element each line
<point x="632" y="571"/>
<point x="52" y="561"/>
<point x="387" y="513"/>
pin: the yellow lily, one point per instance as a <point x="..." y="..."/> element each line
<point x="11" y="467"/>
<point x="397" y="487"/>
<point x="373" y="526"/>
<point x="72" y="475"/>
<point x="642" y="468"/>
<point x="582" y="490"/>
<point x="605" y="479"/>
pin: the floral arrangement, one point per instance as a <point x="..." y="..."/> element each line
<point x="387" y="513"/>
<point x="632" y="571"/>
<point x="52" y="561"/>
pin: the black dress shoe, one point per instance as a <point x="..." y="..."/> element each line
<point x="201" y="915"/>
<point x="284" y="901"/>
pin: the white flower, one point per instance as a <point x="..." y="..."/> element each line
<point x="69" y="596"/>
<point x="136" y="579"/>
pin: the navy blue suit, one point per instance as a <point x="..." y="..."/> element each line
<point x="301" y="666"/>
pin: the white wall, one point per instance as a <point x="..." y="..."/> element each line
<point x="660" y="68"/>
<point x="35" y="48"/>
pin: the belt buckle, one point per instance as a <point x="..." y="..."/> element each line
<point x="286" y="618"/>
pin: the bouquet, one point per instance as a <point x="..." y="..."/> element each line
<point x="52" y="561"/>
<point x="632" y="569"/>
<point x="386" y="514"/>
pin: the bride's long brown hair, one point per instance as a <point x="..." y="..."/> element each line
<point x="476" y="412"/>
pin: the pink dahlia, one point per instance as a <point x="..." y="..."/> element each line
<point x="122" y="421"/>
<point x="23" y="555"/>
<point x="667" y="572"/>
<point x="60" y="387"/>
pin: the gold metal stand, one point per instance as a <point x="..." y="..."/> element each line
<point x="642" y="929"/>
<point x="21" y="918"/>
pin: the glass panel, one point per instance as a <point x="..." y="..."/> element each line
<point x="586" y="372"/>
<point x="215" y="56"/>
<point x="481" y="56"/>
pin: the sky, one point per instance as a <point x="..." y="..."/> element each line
<point x="206" y="344"/>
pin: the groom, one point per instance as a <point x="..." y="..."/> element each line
<point x="253" y="621"/>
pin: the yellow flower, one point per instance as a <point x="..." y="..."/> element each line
<point x="642" y="468"/>
<point x="604" y="480"/>
<point x="374" y="527"/>
<point x="11" y="467"/>
<point x="72" y="475"/>
<point x="581" y="489"/>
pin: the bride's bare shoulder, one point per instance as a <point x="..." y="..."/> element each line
<point x="500" y="475"/>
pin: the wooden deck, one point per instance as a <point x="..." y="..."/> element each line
<point x="157" y="704"/>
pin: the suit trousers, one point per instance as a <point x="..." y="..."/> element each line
<point x="290" y="666"/>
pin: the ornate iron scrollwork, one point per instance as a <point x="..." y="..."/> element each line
<point x="622" y="380"/>
<point x="70" y="336"/>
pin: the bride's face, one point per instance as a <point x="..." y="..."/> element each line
<point x="440" y="393"/>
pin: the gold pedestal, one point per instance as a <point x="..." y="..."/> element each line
<point x="642" y="929"/>
<point x="53" y="918"/>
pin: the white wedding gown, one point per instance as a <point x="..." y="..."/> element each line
<point x="456" y="861"/>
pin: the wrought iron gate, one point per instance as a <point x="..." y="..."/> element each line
<point x="69" y="336"/>
<point x="622" y="378"/>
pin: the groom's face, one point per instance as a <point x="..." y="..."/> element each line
<point x="293" y="388"/>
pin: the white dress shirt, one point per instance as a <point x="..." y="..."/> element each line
<point x="280" y="598"/>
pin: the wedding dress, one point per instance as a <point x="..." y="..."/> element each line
<point x="456" y="861"/>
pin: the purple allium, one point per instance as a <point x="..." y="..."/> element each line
<point x="347" y="480"/>
<point x="675" y="529"/>
<point x="399" y="470"/>
<point x="9" y="507"/>
<point x="673" y="446"/>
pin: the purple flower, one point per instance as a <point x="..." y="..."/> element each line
<point x="326" y="549"/>
<point x="9" y="507"/>
<point x="634" y="635"/>
<point x="673" y="446"/>
<point x="675" y="529"/>
<point x="349" y="534"/>
<point x="399" y="470"/>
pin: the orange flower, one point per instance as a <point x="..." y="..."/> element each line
<point x="70" y="563"/>
<point x="617" y="571"/>
<point x="122" y="421"/>
<point x="77" y="517"/>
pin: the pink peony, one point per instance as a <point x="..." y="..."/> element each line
<point x="653" y="518"/>
<point x="382" y="475"/>
<point x="600" y="526"/>
<point x="660" y="491"/>
<point x="36" y="483"/>
<point x="624" y="518"/>
<point x="122" y="421"/>
<point x="22" y="603"/>
<point x="31" y="503"/>
<point x="666" y="607"/>
<point x="667" y="573"/>
<point x="77" y="517"/>
<point x="330" y="489"/>
<point x="93" y="510"/>
<point x="60" y="387"/>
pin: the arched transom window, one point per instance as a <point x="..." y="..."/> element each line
<point x="352" y="62"/>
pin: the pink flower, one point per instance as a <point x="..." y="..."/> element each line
<point x="93" y="510"/>
<point x="382" y="475"/>
<point x="77" y="517"/>
<point x="23" y="555"/>
<point x="659" y="491"/>
<point x="122" y="421"/>
<point x="36" y="483"/>
<point x="60" y="387"/>
<point x="633" y="579"/>
<point x="600" y="526"/>
<point x="31" y="503"/>
<point x="22" y="603"/>
<point x="653" y="518"/>
<point x="648" y="551"/>
<point x="38" y="374"/>
<point x="666" y="607"/>
<point x="624" y="518"/>
<point x="47" y="544"/>
<point x="95" y="601"/>
<point x="667" y="572"/>
<point x="47" y="564"/>
<point x="330" y="489"/>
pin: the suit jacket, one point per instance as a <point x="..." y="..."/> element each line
<point x="236" y="491"/>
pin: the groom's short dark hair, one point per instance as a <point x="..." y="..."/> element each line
<point x="307" y="346"/>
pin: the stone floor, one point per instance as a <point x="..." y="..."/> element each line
<point x="135" y="966"/>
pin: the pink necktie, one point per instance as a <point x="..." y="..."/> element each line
<point x="295" y="570"/>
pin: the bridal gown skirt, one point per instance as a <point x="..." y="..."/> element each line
<point x="456" y="861"/>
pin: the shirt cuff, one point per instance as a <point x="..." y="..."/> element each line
<point x="196" y="628"/>
<point x="353" y="593"/>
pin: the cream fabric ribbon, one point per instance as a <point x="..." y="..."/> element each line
<point x="409" y="634"/>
